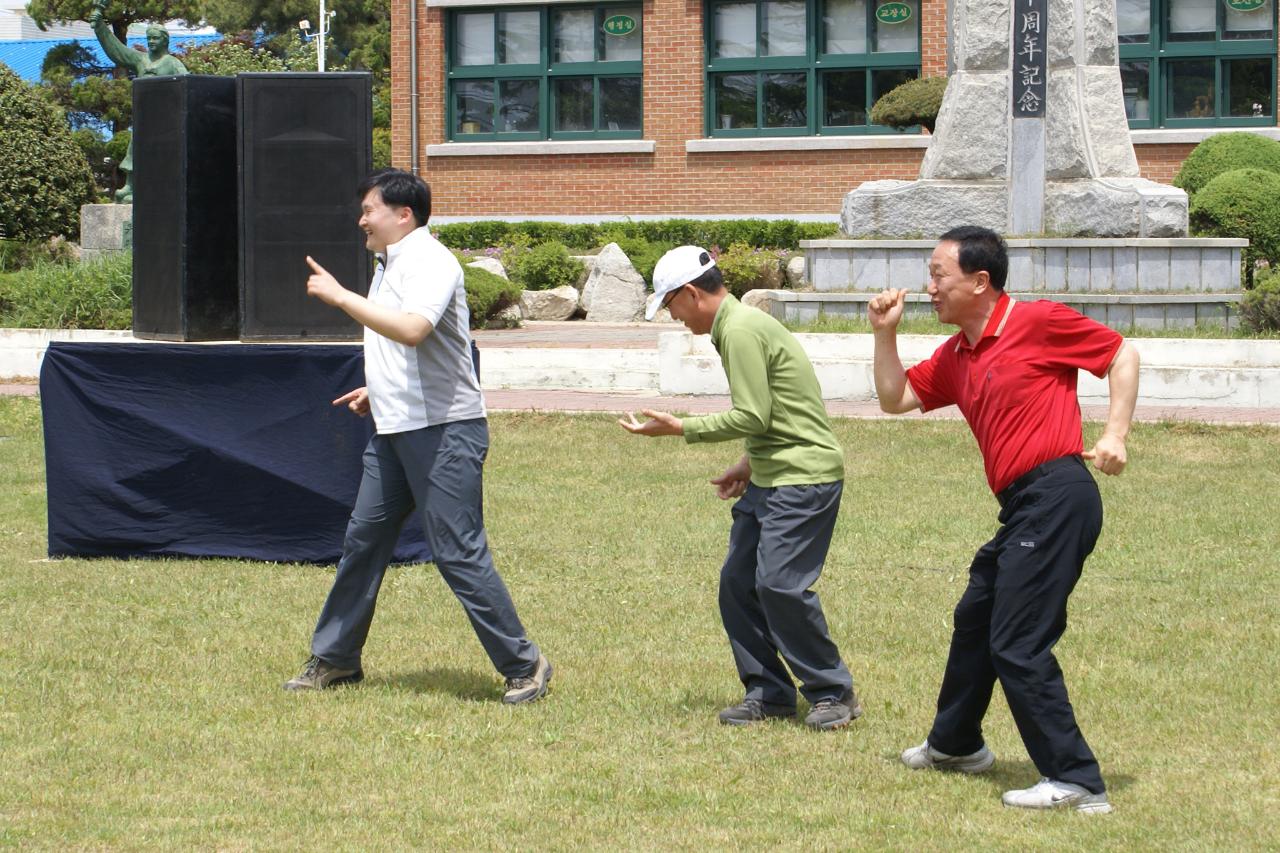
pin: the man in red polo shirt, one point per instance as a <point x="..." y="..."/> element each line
<point x="1012" y="371"/>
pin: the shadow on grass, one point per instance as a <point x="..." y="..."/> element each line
<point x="1008" y="775"/>
<point x="462" y="683"/>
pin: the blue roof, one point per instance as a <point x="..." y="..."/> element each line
<point x="26" y="56"/>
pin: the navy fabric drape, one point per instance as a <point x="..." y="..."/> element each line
<point x="204" y="451"/>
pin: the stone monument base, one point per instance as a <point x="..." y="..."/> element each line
<point x="1104" y="207"/>
<point x="105" y="228"/>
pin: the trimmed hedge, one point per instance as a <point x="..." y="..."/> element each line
<point x="760" y="233"/>
<point x="1224" y="153"/>
<point x="487" y="294"/>
<point x="914" y="102"/>
<point x="1260" y="309"/>
<point x="1241" y="203"/>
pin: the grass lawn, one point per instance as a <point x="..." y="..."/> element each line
<point x="141" y="706"/>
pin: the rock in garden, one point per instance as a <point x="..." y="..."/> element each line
<point x="507" y="318"/>
<point x="588" y="265"/>
<point x="794" y="271"/>
<point x="492" y="265"/>
<point x="663" y="315"/>
<point x="556" y="304"/>
<point x="614" y="292"/>
<point x="762" y="299"/>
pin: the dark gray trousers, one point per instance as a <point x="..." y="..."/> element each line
<point x="777" y="547"/>
<point x="438" y="470"/>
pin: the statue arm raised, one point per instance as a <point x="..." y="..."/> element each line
<point x="117" y="51"/>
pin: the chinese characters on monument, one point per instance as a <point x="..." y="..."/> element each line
<point x="1030" y="29"/>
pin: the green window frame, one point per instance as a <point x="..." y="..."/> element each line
<point x="1197" y="63"/>
<point x="517" y="73"/>
<point x="768" y="73"/>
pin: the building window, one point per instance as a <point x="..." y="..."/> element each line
<point x="1195" y="63"/>
<point x="547" y="72"/>
<point x="805" y="67"/>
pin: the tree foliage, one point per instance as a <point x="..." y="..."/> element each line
<point x="360" y="38"/>
<point x="118" y="15"/>
<point x="914" y="102"/>
<point x="44" y="177"/>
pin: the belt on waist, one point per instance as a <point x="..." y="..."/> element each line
<point x="1042" y="470"/>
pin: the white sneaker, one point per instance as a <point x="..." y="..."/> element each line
<point x="925" y="757"/>
<point x="1052" y="794"/>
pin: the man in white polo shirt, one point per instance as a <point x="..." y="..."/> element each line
<point x="429" y="448"/>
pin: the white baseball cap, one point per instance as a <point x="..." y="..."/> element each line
<point x="674" y="270"/>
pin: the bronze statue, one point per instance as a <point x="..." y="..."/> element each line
<point x="156" y="62"/>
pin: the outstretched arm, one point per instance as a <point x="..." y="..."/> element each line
<point x="894" y="392"/>
<point x="1109" y="454"/>
<point x="117" y="51"/>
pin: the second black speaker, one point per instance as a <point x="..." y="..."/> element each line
<point x="305" y="145"/>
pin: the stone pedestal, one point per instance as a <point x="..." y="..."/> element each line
<point x="1067" y="169"/>
<point x="105" y="228"/>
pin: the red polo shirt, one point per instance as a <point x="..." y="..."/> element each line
<point x="1017" y="386"/>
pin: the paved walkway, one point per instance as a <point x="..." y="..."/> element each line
<point x="584" y="335"/>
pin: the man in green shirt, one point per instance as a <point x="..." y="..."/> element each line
<point x="788" y="486"/>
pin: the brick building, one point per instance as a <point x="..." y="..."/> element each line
<point x="703" y="107"/>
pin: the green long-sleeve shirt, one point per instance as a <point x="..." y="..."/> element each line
<point x="777" y="402"/>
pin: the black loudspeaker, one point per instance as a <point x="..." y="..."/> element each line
<point x="185" y="239"/>
<point x="305" y="145"/>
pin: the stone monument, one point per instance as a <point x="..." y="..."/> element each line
<point x="1032" y="137"/>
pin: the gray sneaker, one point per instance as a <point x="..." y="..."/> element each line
<point x="833" y="713"/>
<point x="751" y="711"/>
<point x="527" y="688"/>
<point x="1052" y="794"/>
<point x="318" y="675"/>
<point x="925" y="757"/>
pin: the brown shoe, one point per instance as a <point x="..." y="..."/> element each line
<point x="318" y="675"/>
<point x="527" y="688"/>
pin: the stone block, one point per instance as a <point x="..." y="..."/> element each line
<point x="1153" y="270"/>
<point x="1184" y="269"/>
<point x="830" y="269"/>
<point x="870" y="270"/>
<point x="1120" y="316"/>
<point x="102" y="226"/>
<point x="1124" y="269"/>
<point x="1220" y="270"/>
<point x="1078" y="269"/>
<point x="921" y="208"/>
<point x="1148" y="315"/>
<point x="1102" y="276"/>
<point x="1091" y="209"/>
<point x="1102" y="100"/>
<point x="972" y="137"/>
<point x="1094" y="311"/>
<point x="1062" y="40"/>
<point x="1100" y="47"/>
<point x="981" y="36"/>
<point x="1055" y="269"/>
<point x="907" y="270"/>
<point x="1065" y="155"/>
<point x="1021" y="276"/>
<point x="1180" y="315"/>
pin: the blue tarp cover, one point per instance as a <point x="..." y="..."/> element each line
<point x="226" y="450"/>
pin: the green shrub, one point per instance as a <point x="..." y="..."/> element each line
<point x="487" y="294"/>
<point x="227" y="58"/>
<point x="18" y="255"/>
<point x="762" y="233"/>
<point x="381" y="147"/>
<point x="44" y="176"/>
<point x="745" y="268"/>
<point x="546" y="266"/>
<point x="1224" y="153"/>
<point x="92" y="295"/>
<point x="1260" y="309"/>
<point x="914" y="102"/>
<point x="1241" y="203"/>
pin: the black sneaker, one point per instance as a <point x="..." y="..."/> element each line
<point x="527" y="688"/>
<point x="318" y="675"/>
<point x="751" y="711"/>
<point x="832" y="713"/>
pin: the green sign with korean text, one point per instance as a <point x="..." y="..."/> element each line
<point x="898" y="13"/>
<point x="1245" y="5"/>
<point x="619" y="25"/>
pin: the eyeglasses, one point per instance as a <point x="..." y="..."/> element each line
<point x="670" y="296"/>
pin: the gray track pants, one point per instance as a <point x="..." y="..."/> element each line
<point x="777" y="547"/>
<point x="438" y="470"/>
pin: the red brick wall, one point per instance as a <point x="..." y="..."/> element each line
<point x="670" y="180"/>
